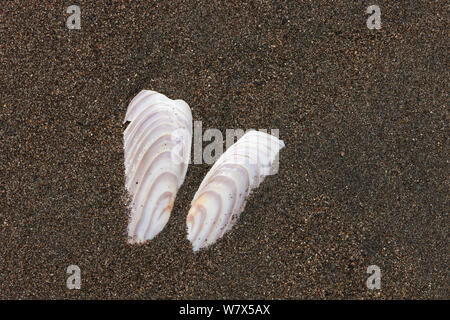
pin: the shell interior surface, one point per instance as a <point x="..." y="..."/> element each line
<point x="157" y="147"/>
<point x="222" y="194"/>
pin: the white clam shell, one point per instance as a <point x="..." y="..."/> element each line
<point x="222" y="194"/>
<point x="157" y="148"/>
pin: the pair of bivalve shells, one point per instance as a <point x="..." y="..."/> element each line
<point x="157" y="147"/>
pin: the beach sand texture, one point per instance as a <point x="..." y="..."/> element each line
<point x="363" y="179"/>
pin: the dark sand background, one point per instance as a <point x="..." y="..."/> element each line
<point x="363" y="178"/>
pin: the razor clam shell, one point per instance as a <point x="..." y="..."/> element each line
<point x="157" y="148"/>
<point x="222" y="194"/>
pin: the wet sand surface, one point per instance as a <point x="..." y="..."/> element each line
<point x="363" y="179"/>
